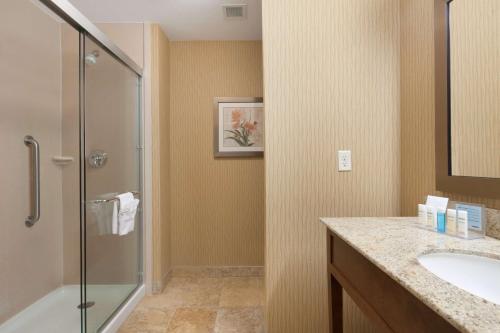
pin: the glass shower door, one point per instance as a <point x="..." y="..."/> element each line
<point x="39" y="178"/>
<point x="113" y="166"/>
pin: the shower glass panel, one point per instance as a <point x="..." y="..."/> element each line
<point x="70" y="140"/>
<point x="113" y="153"/>
<point x="39" y="176"/>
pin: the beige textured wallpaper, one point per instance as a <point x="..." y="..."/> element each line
<point x="331" y="77"/>
<point x="475" y="87"/>
<point x="417" y="103"/>
<point x="417" y="107"/>
<point x="160" y="86"/>
<point x="165" y="184"/>
<point x="217" y="204"/>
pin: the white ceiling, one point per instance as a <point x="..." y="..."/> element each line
<point x="180" y="19"/>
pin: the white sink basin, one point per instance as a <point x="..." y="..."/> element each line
<point x="477" y="275"/>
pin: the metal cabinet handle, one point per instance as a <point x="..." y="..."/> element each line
<point x="35" y="180"/>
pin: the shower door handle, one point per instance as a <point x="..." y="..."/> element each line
<point x="35" y="180"/>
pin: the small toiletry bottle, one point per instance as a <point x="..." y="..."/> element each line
<point x="422" y="215"/>
<point x="462" y="224"/>
<point x="451" y="222"/>
<point x="441" y="220"/>
<point x="431" y="217"/>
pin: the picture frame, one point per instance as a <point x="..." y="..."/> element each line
<point x="238" y="127"/>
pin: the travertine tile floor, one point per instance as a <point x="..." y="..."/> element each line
<point x="202" y="305"/>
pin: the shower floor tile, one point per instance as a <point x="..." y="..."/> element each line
<point x="202" y="305"/>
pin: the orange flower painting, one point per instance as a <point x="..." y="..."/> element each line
<point x="245" y="128"/>
<point x="240" y="130"/>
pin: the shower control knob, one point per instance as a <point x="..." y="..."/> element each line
<point x="97" y="159"/>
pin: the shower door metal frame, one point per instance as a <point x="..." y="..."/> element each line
<point x="67" y="12"/>
<point x="75" y="18"/>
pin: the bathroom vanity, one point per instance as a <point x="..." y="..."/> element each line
<point x="376" y="262"/>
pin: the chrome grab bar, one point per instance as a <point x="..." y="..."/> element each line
<point x="35" y="180"/>
<point x="135" y="193"/>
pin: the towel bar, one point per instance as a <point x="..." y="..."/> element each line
<point x="135" y="193"/>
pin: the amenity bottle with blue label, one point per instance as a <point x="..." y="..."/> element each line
<point x="441" y="220"/>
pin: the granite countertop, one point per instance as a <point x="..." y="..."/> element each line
<point x="394" y="243"/>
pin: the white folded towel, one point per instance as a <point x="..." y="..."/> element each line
<point x="103" y="214"/>
<point x="123" y="219"/>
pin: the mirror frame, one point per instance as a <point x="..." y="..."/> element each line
<point x="445" y="181"/>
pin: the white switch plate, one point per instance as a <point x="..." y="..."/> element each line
<point x="344" y="157"/>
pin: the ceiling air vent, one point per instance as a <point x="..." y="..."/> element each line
<point x="234" y="12"/>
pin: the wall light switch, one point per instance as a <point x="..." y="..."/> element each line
<point x="345" y="163"/>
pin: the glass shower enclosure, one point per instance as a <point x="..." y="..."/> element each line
<point x="70" y="143"/>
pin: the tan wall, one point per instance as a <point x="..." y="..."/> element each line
<point x="70" y="146"/>
<point x="331" y="82"/>
<point x="164" y="106"/>
<point x="217" y="204"/>
<point x="475" y="87"/>
<point x="160" y="86"/>
<point x="30" y="103"/>
<point x="417" y="107"/>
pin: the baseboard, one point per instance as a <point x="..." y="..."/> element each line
<point x="217" y="271"/>
<point x="123" y="313"/>
<point x="158" y="286"/>
<point x="165" y="279"/>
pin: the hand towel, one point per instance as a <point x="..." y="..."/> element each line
<point x="103" y="214"/>
<point x="124" y="211"/>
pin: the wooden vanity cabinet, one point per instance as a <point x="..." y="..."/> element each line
<point x="390" y="306"/>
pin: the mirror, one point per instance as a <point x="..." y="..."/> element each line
<point x="474" y="71"/>
<point x="467" y="46"/>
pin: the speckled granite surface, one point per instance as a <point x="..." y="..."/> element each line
<point x="493" y="223"/>
<point x="393" y="244"/>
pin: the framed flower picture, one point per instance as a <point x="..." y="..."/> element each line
<point x="238" y="127"/>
